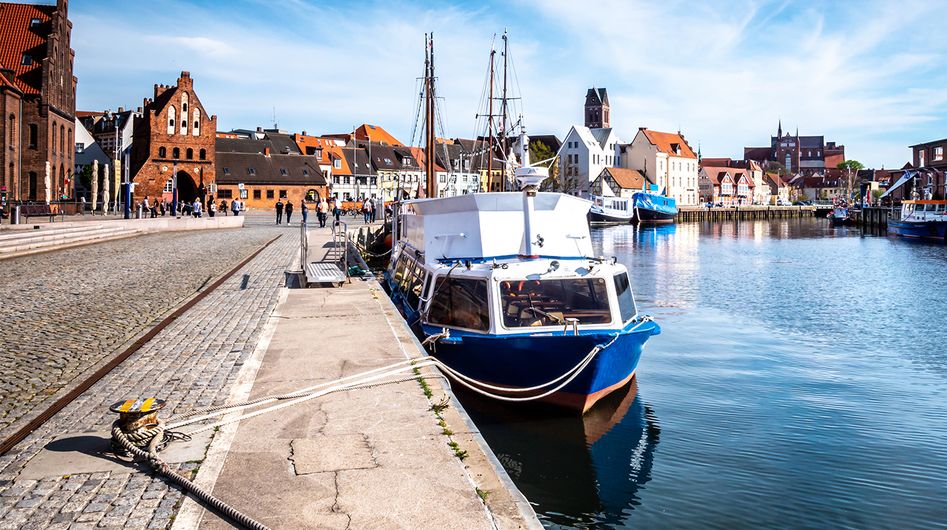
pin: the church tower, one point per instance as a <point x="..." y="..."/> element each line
<point x="596" y="109"/>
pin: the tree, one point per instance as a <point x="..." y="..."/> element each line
<point x="851" y="167"/>
<point x="540" y="152"/>
<point x="775" y="167"/>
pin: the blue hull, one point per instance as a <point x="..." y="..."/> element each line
<point x="653" y="208"/>
<point x="931" y="230"/>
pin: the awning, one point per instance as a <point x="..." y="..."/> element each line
<point x="908" y="175"/>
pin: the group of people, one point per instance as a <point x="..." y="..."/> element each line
<point x="154" y="207"/>
<point x="323" y="209"/>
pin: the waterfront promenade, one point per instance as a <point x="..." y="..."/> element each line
<point x="374" y="457"/>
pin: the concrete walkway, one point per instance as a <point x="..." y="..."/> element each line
<point x="368" y="458"/>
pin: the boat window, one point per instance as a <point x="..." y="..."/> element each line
<point x="626" y="301"/>
<point x="399" y="269"/>
<point x="413" y="285"/>
<point x="528" y="303"/>
<point x="460" y="302"/>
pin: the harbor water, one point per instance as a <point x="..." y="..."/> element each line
<point x="800" y="381"/>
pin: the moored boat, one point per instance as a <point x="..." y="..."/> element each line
<point x="641" y="207"/>
<point x="921" y="219"/>
<point x="505" y="290"/>
<point x="840" y="216"/>
<point x="654" y="208"/>
<point x="611" y="210"/>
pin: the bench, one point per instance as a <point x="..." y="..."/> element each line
<point x="37" y="210"/>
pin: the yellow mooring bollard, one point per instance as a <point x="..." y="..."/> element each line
<point x="138" y="420"/>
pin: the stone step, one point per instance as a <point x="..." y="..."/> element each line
<point x="24" y="248"/>
<point x="7" y="236"/>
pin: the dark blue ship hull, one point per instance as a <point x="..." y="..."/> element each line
<point x="930" y="230"/>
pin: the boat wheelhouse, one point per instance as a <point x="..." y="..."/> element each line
<point x="921" y="219"/>
<point x="504" y="288"/>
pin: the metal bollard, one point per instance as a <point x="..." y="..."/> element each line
<point x="15" y="215"/>
<point x="139" y="211"/>
<point x="137" y="418"/>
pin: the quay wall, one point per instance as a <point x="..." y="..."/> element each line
<point x="740" y="213"/>
<point x="159" y="224"/>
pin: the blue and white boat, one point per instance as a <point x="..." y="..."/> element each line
<point x="921" y="219"/>
<point x="642" y="207"/>
<point x="504" y="288"/>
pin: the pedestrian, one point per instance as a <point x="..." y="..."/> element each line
<point x="323" y="212"/>
<point x="146" y="206"/>
<point x="235" y="206"/>
<point x="368" y="211"/>
<point x="211" y="207"/>
<point x="223" y="207"/>
<point x="305" y="210"/>
<point x="279" y="211"/>
<point x="289" y="211"/>
<point x="197" y="208"/>
<point x="154" y="208"/>
<point x="336" y="211"/>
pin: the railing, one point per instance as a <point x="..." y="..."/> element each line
<point x="342" y="234"/>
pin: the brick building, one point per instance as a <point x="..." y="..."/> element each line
<point x="174" y="130"/>
<point x="799" y="154"/>
<point x="37" y="100"/>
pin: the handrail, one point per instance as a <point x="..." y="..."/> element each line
<point x="345" y="245"/>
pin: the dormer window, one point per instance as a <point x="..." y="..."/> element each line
<point x="35" y="22"/>
<point x="226" y="171"/>
<point x="27" y="59"/>
<point x="251" y="171"/>
<point x="318" y="153"/>
<point x="305" y="172"/>
<point x="337" y="163"/>
<point x="282" y="171"/>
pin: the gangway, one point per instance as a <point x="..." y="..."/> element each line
<point x="332" y="268"/>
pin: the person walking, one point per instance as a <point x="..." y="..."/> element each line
<point x="305" y="210"/>
<point x="223" y="207"/>
<point x="197" y="208"/>
<point x="336" y="211"/>
<point x="289" y="211"/>
<point x="154" y="208"/>
<point x="368" y="210"/>
<point x="279" y="211"/>
<point x="323" y="213"/>
<point x="235" y="206"/>
<point x="146" y="207"/>
<point x="211" y="207"/>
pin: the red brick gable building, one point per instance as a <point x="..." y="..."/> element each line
<point x="174" y="130"/>
<point x="37" y="101"/>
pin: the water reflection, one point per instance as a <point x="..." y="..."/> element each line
<point x="576" y="471"/>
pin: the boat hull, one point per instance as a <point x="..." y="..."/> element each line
<point x="599" y="217"/>
<point x="928" y="230"/>
<point x="654" y="209"/>
<point x="522" y="361"/>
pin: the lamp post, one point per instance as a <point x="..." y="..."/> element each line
<point x="128" y="191"/>
<point x="174" y="188"/>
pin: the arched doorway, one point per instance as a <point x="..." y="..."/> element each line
<point x="187" y="188"/>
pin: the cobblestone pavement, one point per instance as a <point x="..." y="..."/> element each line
<point x="63" y="312"/>
<point x="192" y="363"/>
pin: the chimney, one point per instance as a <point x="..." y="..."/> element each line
<point x="266" y="151"/>
<point x="259" y="129"/>
<point x="121" y="110"/>
<point x="304" y="133"/>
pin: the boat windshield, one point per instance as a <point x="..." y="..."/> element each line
<point x="460" y="302"/>
<point x="529" y="303"/>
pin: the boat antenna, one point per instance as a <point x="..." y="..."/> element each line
<point x="503" y="111"/>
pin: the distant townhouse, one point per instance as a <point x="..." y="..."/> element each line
<point x="931" y="164"/>
<point x="366" y="180"/>
<point x="113" y="131"/>
<point x="752" y="169"/>
<point x="668" y="160"/>
<point x="453" y="155"/>
<point x="727" y="186"/>
<point x="260" y="179"/>
<point x="410" y="176"/>
<point x="799" y="154"/>
<point x="92" y="163"/>
<point x="619" y="182"/>
<point x="587" y="149"/>
<point x="328" y="154"/>
<point x="778" y="189"/>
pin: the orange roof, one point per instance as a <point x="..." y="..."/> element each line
<point x="328" y="150"/>
<point x="374" y="133"/>
<point x="627" y="179"/>
<point x="716" y="173"/>
<point x="16" y="39"/>
<point x="419" y="155"/>
<point x="664" y="142"/>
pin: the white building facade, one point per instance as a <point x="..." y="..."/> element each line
<point x="666" y="159"/>
<point x="585" y="153"/>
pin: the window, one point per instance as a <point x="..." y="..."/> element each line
<point x="282" y="194"/>
<point x="162" y="152"/>
<point x="335" y="179"/>
<point x="224" y="194"/>
<point x="305" y="172"/>
<point x="337" y="163"/>
<point x="80" y="148"/>
<point x="269" y="194"/>
<point x="257" y="194"/>
<point x="184" y="113"/>
<point x="27" y="59"/>
<point x="461" y="303"/>
<point x="190" y="153"/>
<point x="171" y="115"/>
<point x="176" y="153"/>
<point x="938" y="153"/>
<point x="251" y="171"/>
<point x="33" y="135"/>
<point x="203" y="154"/>
<point x="196" y="130"/>
<point x="282" y="171"/>
<point x="169" y="186"/>
<point x="226" y="171"/>
<point x="34" y="23"/>
<point x="12" y="129"/>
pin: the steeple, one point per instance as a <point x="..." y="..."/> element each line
<point x="597" y="109"/>
<point x="779" y="131"/>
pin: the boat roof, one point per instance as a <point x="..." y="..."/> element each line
<point x="491" y="225"/>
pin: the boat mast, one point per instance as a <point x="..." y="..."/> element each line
<point x="490" y="122"/>
<point x="503" y="113"/>
<point x="429" y="131"/>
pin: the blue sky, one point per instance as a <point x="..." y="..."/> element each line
<point x="867" y="74"/>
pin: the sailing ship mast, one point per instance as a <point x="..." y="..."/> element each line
<point x="430" y="137"/>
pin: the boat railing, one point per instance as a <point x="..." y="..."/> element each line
<point x="340" y="238"/>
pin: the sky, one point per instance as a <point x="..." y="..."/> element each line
<point x="867" y="74"/>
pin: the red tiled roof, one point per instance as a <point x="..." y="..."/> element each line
<point x="330" y="152"/>
<point x="420" y="156"/>
<point x="627" y="179"/>
<point x="664" y="140"/>
<point x="6" y="83"/>
<point x="374" y="133"/>
<point x="16" y="39"/>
